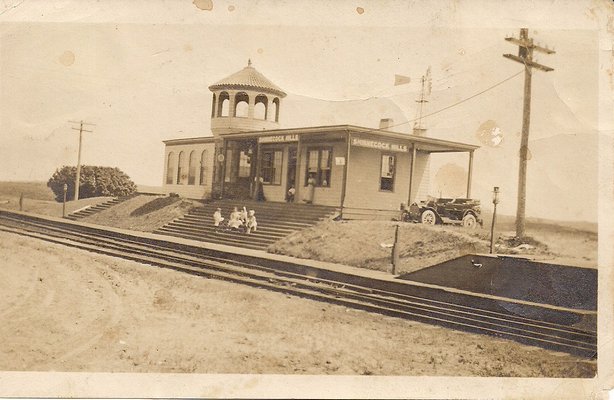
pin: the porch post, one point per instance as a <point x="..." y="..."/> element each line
<point x="345" y="171"/>
<point x="297" y="178"/>
<point x="223" y="168"/>
<point x="411" y="173"/>
<point x="258" y="165"/>
<point x="470" y="174"/>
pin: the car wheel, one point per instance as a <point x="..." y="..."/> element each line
<point x="469" y="221"/>
<point x="428" y="217"/>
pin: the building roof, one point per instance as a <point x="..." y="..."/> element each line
<point x="250" y="79"/>
<point x="202" y="139"/>
<point x="421" y="142"/>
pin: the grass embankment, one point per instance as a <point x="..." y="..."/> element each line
<point x="143" y="213"/>
<point x="366" y="244"/>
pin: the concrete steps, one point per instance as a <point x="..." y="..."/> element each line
<point x="87" y="211"/>
<point x="275" y="221"/>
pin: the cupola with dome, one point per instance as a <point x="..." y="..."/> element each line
<point x="245" y="101"/>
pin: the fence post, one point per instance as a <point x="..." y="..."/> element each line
<point x="21" y="202"/>
<point x="395" y="250"/>
<point x="495" y="201"/>
<point x="64" y="203"/>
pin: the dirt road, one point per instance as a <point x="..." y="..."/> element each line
<point x="68" y="310"/>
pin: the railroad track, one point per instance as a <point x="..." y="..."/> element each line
<point x="192" y="260"/>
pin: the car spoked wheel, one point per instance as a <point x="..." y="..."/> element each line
<point x="428" y="217"/>
<point x="469" y="221"/>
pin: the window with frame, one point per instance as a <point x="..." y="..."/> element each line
<point x="388" y="169"/>
<point x="203" y="168"/>
<point x="170" y="168"/>
<point x="319" y="165"/>
<point x="192" y="168"/>
<point x="181" y="175"/>
<point x="271" y="167"/>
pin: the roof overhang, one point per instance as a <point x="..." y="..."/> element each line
<point x="194" y="140"/>
<point x="266" y="90"/>
<point x="421" y="143"/>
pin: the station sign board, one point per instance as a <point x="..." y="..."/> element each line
<point x="380" y="145"/>
<point x="278" y="139"/>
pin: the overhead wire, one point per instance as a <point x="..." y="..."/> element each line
<point x="458" y="102"/>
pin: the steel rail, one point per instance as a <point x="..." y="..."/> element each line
<point x="547" y="335"/>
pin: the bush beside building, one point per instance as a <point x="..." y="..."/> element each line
<point x="94" y="181"/>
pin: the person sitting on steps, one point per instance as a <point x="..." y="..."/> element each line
<point x="251" y="224"/>
<point x="217" y="217"/>
<point x="243" y="215"/>
<point x="234" y="221"/>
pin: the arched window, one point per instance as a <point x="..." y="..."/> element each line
<point x="170" y="168"/>
<point x="275" y="110"/>
<point x="203" y="168"/>
<point x="181" y="176"/>
<point x="213" y="107"/>
<point x="260" y="107"/>
<point x="241" y="104"/>
<point x="192" y="169"/>
<point x="223" y="103"/>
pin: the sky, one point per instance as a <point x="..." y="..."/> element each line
<point x="140" y="73"/>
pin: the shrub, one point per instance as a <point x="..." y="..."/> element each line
<point x="93" y="182"/>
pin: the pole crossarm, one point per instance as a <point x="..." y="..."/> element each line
<point x="528" y="63"/>
<point x="529" y="44"/>
<point x="78" y="175"/>
<point x="81" y="122"/>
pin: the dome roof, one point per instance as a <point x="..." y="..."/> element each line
<point x="250" y="79"/>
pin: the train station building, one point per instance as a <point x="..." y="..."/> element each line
<point x="365" y="172"/>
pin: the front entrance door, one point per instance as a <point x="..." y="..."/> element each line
<point x="239" y="169"/>
<point x="291" y="177"/>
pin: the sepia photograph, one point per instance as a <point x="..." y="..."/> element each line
<point x="272" y="199"/>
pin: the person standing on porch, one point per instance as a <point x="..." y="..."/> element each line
<point x="311" y="184"/>
<point x="290" y="195"/>
<point x="260" y="189"/>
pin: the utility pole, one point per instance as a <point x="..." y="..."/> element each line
<point x="525" y="57"/>
<point x="81" y="130"/>
<point x="419" y="127"/>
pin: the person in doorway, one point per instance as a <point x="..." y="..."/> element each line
<point x="290" y="195"/>
<point x="217" y="217"/>
<point x="311" y="184"/>
<point x="260" y="189"/>
<point x="251" y="224"/>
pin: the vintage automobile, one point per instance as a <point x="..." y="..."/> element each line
<point x="465" y="212"/>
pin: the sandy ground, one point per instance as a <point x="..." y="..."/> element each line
<point x="68" y="310"/>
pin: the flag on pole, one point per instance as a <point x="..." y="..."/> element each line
<point x="401" y="80"/>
